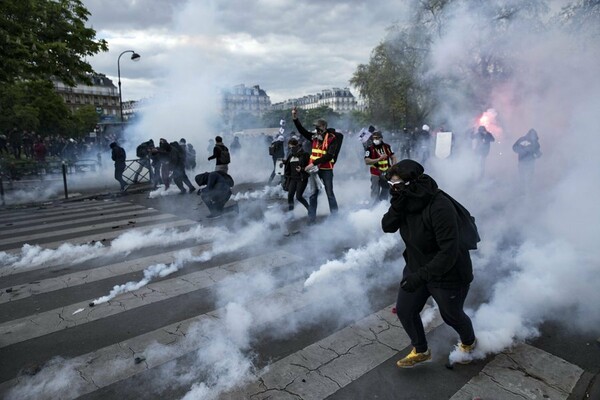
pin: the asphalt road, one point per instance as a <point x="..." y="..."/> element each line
<point x="232" y="308"/>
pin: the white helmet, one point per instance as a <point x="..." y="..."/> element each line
<point x="425" y="128"/>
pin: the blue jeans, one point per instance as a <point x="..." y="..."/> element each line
<point x="326" y="176"/>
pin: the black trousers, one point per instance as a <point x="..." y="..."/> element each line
<point x="450" y="303"/>
<point x="296" y="189"/>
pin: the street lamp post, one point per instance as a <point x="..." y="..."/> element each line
<point x="134" y="57"/>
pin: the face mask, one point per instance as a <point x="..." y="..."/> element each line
<point x="376" y="142"/>
<point x="397" y="188"/>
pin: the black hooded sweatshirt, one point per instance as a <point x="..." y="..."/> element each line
<point x="432" y="252"/>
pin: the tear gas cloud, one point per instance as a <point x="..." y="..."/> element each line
<point x="32" y="256"/>
<point x="538" y="242"/>
<point x="538" y="245"/>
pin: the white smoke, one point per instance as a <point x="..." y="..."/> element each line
<point x="373" y="253"/>
<point x="136" y="239"/>
<point x="161" y="191"/>
<point x="538" y="258"/>
<point x="266" y="192"/>
<point x="153" y="271"/>
<point x="58" y="378"/>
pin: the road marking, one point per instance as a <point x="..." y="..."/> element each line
<point x="25" y="231"/>
<point x="105" y="237"/>
<point x="82" y="229"/>
<point x="87" y="276"/>
<point x="526" y="372"/>
<point x="324" y="367"/>
<point x="38" y="219"/>
<point x="47" y="322"/>
<point x="12" y="215"/>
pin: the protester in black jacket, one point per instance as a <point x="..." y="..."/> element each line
<point x="221" y="155"/>
<point x="164" y="156"/>
<point x="215" y="191"/>
<point x="482" y="139"/>
<point x="436" y="264"/>
<point x="528" y="149"/>
<point x="296" y="178"/>
<point x="119" y="156"/>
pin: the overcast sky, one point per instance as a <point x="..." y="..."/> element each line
<point x="289" y="48"/>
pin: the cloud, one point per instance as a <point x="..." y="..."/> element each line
<point x="289" y="48"/>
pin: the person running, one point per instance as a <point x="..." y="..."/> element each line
<point x="296" y="177"/>
<point x="221" y="155"/>
<point x="438" y="264"/>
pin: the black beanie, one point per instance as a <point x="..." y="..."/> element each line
<point x="407" y="170"/>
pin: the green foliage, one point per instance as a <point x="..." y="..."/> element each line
<point x="40" y="39"/>
<point x="85" y="119"/>
<point x="35" y="106"/>
<point x="399" y="84"/>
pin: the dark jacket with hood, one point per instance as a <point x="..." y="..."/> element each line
<point x="432" y="252"/>
<point x="296" y="158"/>
<point x="528" y="147"/>
<point x="118" y="154"/>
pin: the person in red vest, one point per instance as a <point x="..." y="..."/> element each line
<point x="325" y="147"/>
<point x="380" y="157"/>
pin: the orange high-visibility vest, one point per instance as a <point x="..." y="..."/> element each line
<point x="379" y="168"/>
<point x="320" y="149"/>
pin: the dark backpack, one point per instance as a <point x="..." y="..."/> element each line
<point x="224" y="157"/>
<point x="142" y="150"/>
<point x="467" y="229"/>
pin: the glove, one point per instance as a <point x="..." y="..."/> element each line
<point x="411" y="283"/>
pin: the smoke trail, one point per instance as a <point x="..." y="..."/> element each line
<point x="153" y="271"/>
<point x="266" y="192"/>
<point x="33" y="255"/>
<point x="162" y="192"/>
<point x="228" y="242"/>
<point x="136" y="239"/>
<point x="371" y="254"/>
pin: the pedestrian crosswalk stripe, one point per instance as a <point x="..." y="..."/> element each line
<point x="39" y="219"/>
<point x="324" y="367"/>
<point x="114" y="363"/>
<point x="104" y="237"/>
<point x="27" y="231"/>
<point x="30" y="327"/>
<point x="523" y="372"/>
<point x="83" y="229"/>
<point x="13" y="215"/>
<point x="20" y="292"/>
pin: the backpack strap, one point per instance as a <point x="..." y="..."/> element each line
<point x="426" y="213"/>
